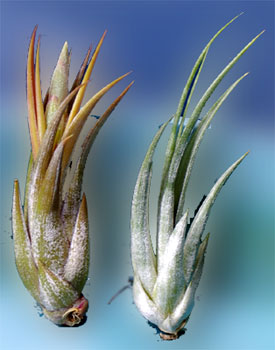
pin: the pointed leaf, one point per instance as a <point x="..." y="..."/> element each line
<point x="191" y="150"/>
<point x="184" y="308"/>
<point x="197" y="227"/>
<point x="22" y="247"/>
<point x="49" y="191"/>
<point x="77" y="265"/>
<point x="82" y="70"/>
<point x="41" y="120"/>
<point x="45" y="154"/>
<point x="74" y="128"/>
<point x="170" y="281"/>
<point x="72" y="197"/>
<point x="183" y="139"/>
<point x="55" y="292"/>
<point x="31" y="97"/>
<point x="80" y="75"/>
<point x="81" y="92"/>
<point x="143" y="257"/>
<point x="86" y="146"/>
<point x="182" y="109"/>
<point x="59" y="83"/>
<point x="144" y="302"/>
<point x="50" y="243"/>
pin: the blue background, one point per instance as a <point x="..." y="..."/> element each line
<point x="159" y="41"/>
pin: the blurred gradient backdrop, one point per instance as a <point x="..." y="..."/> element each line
<point x="159" y="41"/>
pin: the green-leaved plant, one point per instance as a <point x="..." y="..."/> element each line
<point x="165" y="280"/>
<point x="51" y="238"/>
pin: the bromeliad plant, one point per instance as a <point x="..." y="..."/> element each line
<point x="51" y="239"/>
<point x="165" y="280"/>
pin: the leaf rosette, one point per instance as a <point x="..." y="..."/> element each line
<point x="166" y="279"/>
<point x="51" y="235"/>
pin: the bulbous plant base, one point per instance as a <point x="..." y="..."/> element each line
<point x="75" y="315"/>
<point x="171" y="336"/>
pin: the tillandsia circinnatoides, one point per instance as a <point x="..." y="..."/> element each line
<point x="51" y="238"/>
<point x="166" y="279"/>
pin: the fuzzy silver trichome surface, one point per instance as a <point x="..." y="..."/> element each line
<point x="166" y="278"/>
<point x="51" y="238"/>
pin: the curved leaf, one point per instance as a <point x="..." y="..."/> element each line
<point x="31" y="97"/>
<point x="191" y="150"/>
<point x="145" y="303"/>
<point x="59" y="83"/>
<point x="86" y="77"/>
<point x="182" y="140"/>
<point x="72" y="196"/>
<point x="170" y="281"/>
<point x="41" y="120"/>
<point x="74" y="128"/>
<point x="44" y="156"/>
<point x="49" y="241"/>
<point x="22" y="247"/>
<point x="197" y="227"/>
<point x="143" y="257"/>
<point x="55" y="292"/>
<point x="182" y="109"/>
<point x="184" y="308"/>
<point x="77" y="265"/>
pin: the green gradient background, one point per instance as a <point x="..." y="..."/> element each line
<point x="159" y="41"/>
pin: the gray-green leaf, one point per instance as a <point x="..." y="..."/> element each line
<point x="196" y="230"/>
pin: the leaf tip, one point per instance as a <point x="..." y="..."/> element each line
<point x="243" y="156"/>
<point x="83" y="207"/>
<point x="16" y="186"/>
<point x="125" y="75"/>
<point x="127" y="88"/>
<point x="84" y="200"/>
<point x="261" y="33"/>
<point x="34" y="29"/>
<point x="234" y="18"/>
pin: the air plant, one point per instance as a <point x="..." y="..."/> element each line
<point x="51" y="238"/>
<point x="166" y="278"/>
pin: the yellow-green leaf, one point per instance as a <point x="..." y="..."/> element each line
<point x="22" y="247"/>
